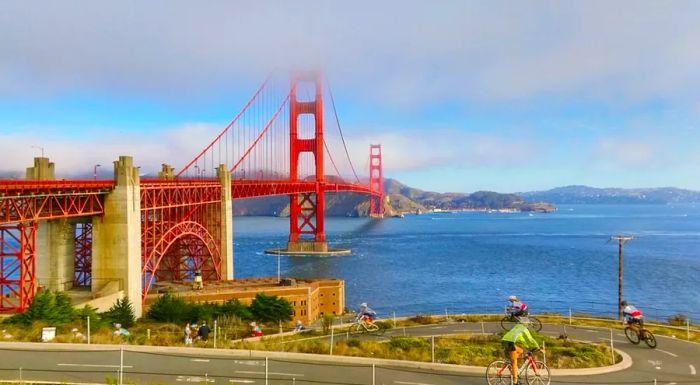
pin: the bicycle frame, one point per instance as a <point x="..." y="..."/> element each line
<point x="529" y="361"/>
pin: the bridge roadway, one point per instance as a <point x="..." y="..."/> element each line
<point x="673" y="362"/>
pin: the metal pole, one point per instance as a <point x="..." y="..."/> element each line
<point x="374" y="375"/>
<point x="215" y="334"/>
<point x="612" y="347"/>
<point x="121" y="365"/>
<point x="447" y="318"/>
<point x="620" y="241"/>
<point x="88" y="330"/>
<point x="544" y="352"/>
<point x="687" y="329"/>
<point x="432" y="348"/>
<point x="482" y="326"/>
<point x="394" y="314"/>
<point x="332" y="333"/>
<point x="267" y="364"/>
<point x="569" y="316"/>
<point x="21" y="381"/>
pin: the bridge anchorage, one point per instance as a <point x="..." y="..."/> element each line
<point x="127" y="235"/>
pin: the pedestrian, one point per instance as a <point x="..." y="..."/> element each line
<point x="188" y="334"/>
<point x="299" y="326"/>
<point x="256" y="331"/>
<point x="203" y="332"/>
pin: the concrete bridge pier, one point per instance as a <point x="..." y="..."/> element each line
<point x="226" y="246"/>
<point x="116" y="247"/>
<point x="55" y="239"/>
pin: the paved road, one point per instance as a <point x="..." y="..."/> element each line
<point x="673" y="362"/>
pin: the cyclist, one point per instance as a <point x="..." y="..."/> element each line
<point x="514" y="341"/>
<point x="517" y="308"/>
<point x="366" y="314"/>
<point x="631" y="315"/>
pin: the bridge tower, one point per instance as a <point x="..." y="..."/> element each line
<point x="306" y="210"/>
<point x="376" y="181"/>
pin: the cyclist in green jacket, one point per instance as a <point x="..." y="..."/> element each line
<point x="513" y="342"/>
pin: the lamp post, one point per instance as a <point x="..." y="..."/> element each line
<point x="94" y="171"/>
<point x="40" y="148"/>
<point x="621" y="239"/>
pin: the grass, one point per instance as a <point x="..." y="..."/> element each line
<point x="467" y="349"/>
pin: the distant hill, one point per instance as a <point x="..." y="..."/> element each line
<point x="593" y="195"/>
<point x="399" y="199"/>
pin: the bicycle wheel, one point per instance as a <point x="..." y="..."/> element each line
<point x="649" y="338"/>
<point x="538" y="375"/>
<point x="372" y="328"/>
<point x="507" y="323"/>
<point x="498" y="373"/>
<point x="356" y="328"/>
<point x="632" y="335"/>
<point x="535" y="324"/>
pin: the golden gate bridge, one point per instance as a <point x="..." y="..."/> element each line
<point x="124" y="234"/>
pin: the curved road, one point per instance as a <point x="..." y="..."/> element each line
<point x="674" y="362"/>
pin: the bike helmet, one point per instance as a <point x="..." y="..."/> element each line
<point x="363" y="304"/>
<point x="623" y="303"/>
<point x="512" y="298"/>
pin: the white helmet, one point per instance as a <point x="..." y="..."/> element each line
<point x="363" y="304"/>
<point x="512" y="298"/>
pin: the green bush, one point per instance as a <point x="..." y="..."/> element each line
<point x="327" y="322"/>
<point x="422" y="319"/>
<point x="678" y="320"/>
<point x="121" y="312"/>
<point x="408" y="343"/>
<point x="273" y="309"/>
<point x="47" y="306"/>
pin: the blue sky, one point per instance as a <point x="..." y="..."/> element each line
<point x="464" y="96"/>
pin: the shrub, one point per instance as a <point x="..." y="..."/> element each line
<point x="52" y="308"/>
<point x="408" y="343"/>
<point x="422" y="319"/>
<point x="121" y="312"/>
<point x="327" y="322"/>
<point x="168" y="308"/>
<point x="267" y="308"/>
<point x="678" y="320"/>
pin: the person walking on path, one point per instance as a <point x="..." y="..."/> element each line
<point x="188" y="334"/>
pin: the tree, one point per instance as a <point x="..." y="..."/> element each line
<point x="168" y="308"/>
<point x="272" y="308"/>
<point x="52" y="308"/>
<point x="234" y="307"/>
<point x="122" y="312"/>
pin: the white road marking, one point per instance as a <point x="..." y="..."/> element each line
<point x="270" y="373"/>
<point x="437" y="327"/>
<point x="96" y="365"/>
<point x="234" y="380"/>
<point x="692" y="370"/>
<point x="251" y="363"/>
<point x="199" y="360"/>
<point x="194" y="379"/>
<point x="410" y="383"/>
<point x="669" y="353"/>
<point x="671" y="383"/>
<point x="591" y="331"/>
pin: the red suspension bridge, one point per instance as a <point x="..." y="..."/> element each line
<point x="125" y="234"/>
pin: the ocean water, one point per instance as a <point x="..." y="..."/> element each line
<point x="471" y="262"/>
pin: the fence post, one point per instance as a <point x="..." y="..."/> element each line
<point x="404" y="332"/>
<point x="687" y="329"/>
<point x="569" y="316"/>
<point x="121" y="365"/>
<point x="432" y="348"/>
<point x="374" y="375"/>
<point x="612" y="347"/>
<point x="148" y="334"/>
<point x="21" y="381"/>
<point x="482" y="326"/>
<point x="544" y="352"/>
<point x="447" y="317"/>
<point x="267" y="362"/>
<point x="332" y="334"/>
<point x="394" y="314"/>
<point x="88" y="330"/>
<point x="215" y="334"/>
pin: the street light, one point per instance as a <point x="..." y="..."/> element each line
<point x="94" y="171"/>
<point x="621" y="239"/>
<point x="40" y="148"/>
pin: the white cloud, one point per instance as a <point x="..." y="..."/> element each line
<point x="396" y="52"/>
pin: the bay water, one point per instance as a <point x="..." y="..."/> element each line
<point x="472" y="261"/>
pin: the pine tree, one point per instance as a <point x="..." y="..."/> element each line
<point x="122" y="313"/>
<point x="267" y="308"/>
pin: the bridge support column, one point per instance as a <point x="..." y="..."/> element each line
<point x="55" y="245"/>
<point x="116" y="257"/>
<point x="226" y="246"/>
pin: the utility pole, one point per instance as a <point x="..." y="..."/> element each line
<point x="621" y="239"/>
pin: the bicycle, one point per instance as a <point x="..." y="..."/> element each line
<point x="535" y="372"/>
<point x="510" y="320"/>
<point x="636" y="333"/>
<point x="361" y="327"/>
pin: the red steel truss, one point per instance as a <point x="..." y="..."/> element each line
<point x="180" y="230"/>
<point x="17" y="266"/>
<point x="25" y="201"/>
<point x="376" y="181"/>
<point x="83" y="255"/>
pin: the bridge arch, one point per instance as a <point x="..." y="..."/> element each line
<point x="198" y="251"/>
